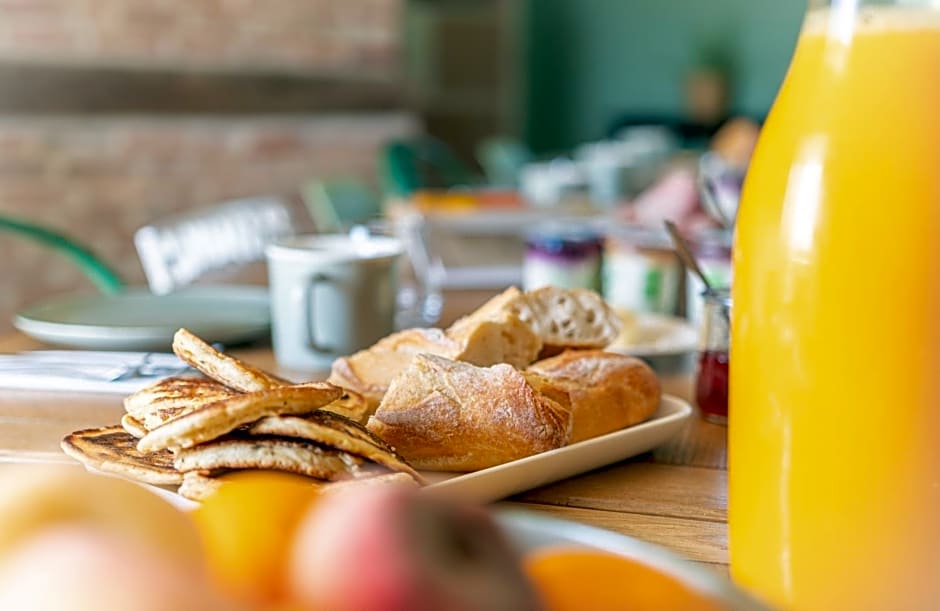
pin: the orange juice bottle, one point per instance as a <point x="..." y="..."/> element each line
<point x="834" y="438"/>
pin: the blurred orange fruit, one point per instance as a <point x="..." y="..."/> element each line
<point x="247" y="527"/>
<point x="574" y="578"/>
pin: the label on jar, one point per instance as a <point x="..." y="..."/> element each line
<point x="642" y="280"/>
<point x="541" y="271"/>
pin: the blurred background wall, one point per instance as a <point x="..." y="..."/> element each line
<point x="592" y="61"/>
<point x="114" y="113"/>
<point x="117" y="112"/>
<point x="560" y="72"/>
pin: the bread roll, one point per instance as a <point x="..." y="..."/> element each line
<point x="561" y="318"/>
<point x="500" y="337"/>
<point x="445" y="415"/>
<point x="513" y="327"/>
<point x="607" y="391"/>
<point x="370" y="371"/>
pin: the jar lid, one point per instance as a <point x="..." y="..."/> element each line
<point x="573" y="237"/>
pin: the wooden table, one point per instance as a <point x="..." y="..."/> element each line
<point x="675" y="496"/>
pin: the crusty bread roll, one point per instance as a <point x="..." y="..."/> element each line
<point x="499" y="337"/>
<point x="607" y="391"/>
<point x="446" y="415"/>
<point x="512" y="327"/>
<point x="369" y="372"/>
<point x="561" y="318"/>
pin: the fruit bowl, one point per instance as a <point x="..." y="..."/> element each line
<point x="530" y="532"/>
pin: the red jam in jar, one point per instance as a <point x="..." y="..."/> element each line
<point x="711" y="385"/>
<point x="711" y="388"/>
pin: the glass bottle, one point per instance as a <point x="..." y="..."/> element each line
<point x="834" y="483"/>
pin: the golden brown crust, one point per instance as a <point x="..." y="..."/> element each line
<point x="223" y="368"/>
<point x="351" y="405"/>
<point x="332" y="430"/>
<point x="173" y="393"/>
<point x="275" y="454"/>
<point x="608" y="391"/>
<point x="113" y="450"/>
<point x="133" y="426"/>
<point x="451" y="416"/>
<point x="216" y="419"/>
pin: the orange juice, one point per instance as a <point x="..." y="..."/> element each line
<point x="834" y="439"/>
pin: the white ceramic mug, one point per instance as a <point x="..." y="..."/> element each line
<point x="331" y="295"/>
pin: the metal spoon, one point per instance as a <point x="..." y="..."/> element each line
<point x="685" y="253"/>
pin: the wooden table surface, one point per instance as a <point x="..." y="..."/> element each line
<point x="675" y="496"/>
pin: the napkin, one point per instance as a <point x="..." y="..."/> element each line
<point x="87" y="370"/>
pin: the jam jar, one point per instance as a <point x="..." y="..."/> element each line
<point x="561" y="254"/>
<point x="711" y="385"/>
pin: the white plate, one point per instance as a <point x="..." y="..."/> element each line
<point x="510" y="478"/>
<point x="526" y="473"/>
<point x="660" y="335"/>
<point x="139" y="320"/>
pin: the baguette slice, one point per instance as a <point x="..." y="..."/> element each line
<point x="573" y="318"/>
<point x="370" y="371"/>
<point x="500" y="338"/>
<point x="561" y="318"/>
<point x="608" y="391"/>
<point x="512" y="301"/>
<point x="446" y="415"/>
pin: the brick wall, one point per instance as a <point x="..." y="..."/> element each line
<point x="100" y="179"/>
<point x="331" y="35"/>
<point x="102" y="167"/>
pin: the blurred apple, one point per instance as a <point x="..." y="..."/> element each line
<point x="390" y="548"/>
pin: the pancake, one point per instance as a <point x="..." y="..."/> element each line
<point x="222" y="368"/>
<point x="274" y="454"/>
<point x="335" y="431"/>
<point x="172" y="397"/>
<point x="197" y="486"/>
<point x="214" y="420"/>
<point x="351" y="405"/>
<point x="113" y="450"/>
<point x="133" y="426"/>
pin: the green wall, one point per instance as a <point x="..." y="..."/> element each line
<point x="590" y="61"/>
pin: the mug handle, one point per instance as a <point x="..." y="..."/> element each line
<point x="309" y="311"/>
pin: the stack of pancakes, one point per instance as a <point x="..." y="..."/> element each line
<point x="187" y="432"/>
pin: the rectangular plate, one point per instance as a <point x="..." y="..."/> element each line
<point x="513" y="477"/>
<point x="504" y="480"/>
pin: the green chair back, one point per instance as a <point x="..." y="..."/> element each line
<point x="96" y="270"/>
